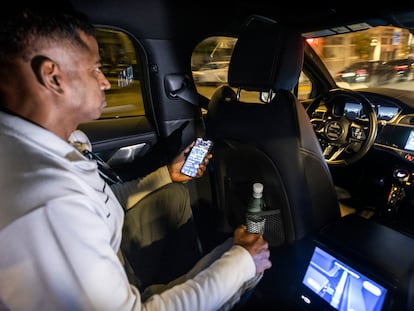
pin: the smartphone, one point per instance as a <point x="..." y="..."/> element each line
<point x="196" y="156"/>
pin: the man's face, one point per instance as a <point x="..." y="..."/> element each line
<point x="84" y="83"/>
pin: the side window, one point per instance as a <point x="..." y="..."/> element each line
<point x="121" y="67"/>
<point x="304" y="87"/>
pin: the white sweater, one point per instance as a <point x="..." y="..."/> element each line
<point x="60" y="232"/>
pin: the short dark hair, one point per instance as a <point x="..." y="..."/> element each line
<point x="27" y="21"/>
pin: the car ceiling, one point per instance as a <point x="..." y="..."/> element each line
<point x="174" y="19"/>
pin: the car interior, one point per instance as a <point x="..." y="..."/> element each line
<point x="336" y="165"/>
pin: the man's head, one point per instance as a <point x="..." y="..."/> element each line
<point x="50" y="66"/>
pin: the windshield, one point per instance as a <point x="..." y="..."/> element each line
<point x="376" y="57"/>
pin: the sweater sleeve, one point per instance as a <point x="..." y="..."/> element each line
<point x="209" y="289"/>
<point x="131" y="192"/>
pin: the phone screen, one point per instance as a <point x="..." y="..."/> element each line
<point x="196" y="156"/>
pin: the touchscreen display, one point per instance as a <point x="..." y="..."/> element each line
<point x="409" y="144"/>
<point x="341" y="286"/>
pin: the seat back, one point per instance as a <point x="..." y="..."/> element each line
<point x="273" y="143"/>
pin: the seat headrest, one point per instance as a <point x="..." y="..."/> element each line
<point x="267" y="56"/>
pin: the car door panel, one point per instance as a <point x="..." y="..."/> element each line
<point x="121" y="142"/>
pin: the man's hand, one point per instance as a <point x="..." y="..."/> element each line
<point x="175" y="166"/>
<point x="255" y="245"/>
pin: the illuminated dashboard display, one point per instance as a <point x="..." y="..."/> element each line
<point x="352" y="110"/>
<point x="386" y="113"/>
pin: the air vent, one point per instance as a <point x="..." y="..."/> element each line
<point x="408" y="119"/>
<point x="318" y="114"/>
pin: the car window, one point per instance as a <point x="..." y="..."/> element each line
<point x="370" y="57"/>
<point x="210" y="62"/>
<point x="380" y="56"/>
<point x="304" y="87"/>
<point x="121" y="67"/>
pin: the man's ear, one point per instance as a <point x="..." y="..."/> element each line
<point x="46" y="72"/>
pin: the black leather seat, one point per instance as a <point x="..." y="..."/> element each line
<point x="273" y="143"/>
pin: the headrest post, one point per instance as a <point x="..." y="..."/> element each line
<point x="270" y="96"/>
<point x="238" y="93"/>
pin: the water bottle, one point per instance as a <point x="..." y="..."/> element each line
<point x="255" y="221"/>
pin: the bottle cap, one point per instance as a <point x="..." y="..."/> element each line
<point x="257" y="190"/>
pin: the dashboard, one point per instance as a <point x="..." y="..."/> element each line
<point x="394" y="110"/>
<point x="395" y="121"/>
<point x="395" y="125"/>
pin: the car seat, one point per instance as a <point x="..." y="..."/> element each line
<point x="272" y="143"/>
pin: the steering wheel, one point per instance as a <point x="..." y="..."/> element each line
<point x="345" y="124"/>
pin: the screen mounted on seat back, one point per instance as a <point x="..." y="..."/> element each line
<point x="331" y="284"/>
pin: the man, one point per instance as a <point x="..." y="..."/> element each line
<point x="60" y="222"/>
<point x="159" y="238"/>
